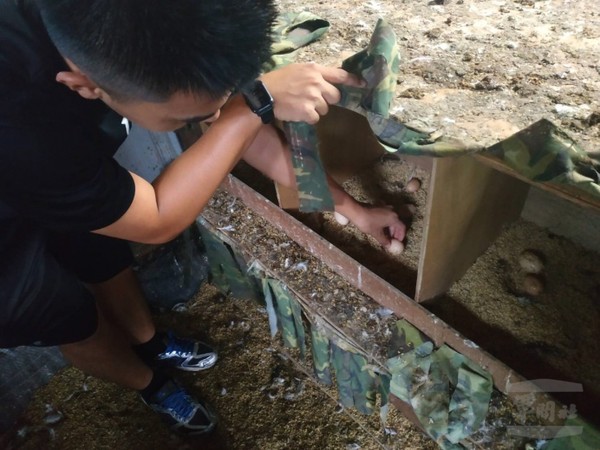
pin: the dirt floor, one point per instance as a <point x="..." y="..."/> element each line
<point x="264" y="399"/>
<point x="479" y="70"/>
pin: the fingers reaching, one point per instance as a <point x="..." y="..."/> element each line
<point x="303" y="92"/>
<point x="336" y="75"/>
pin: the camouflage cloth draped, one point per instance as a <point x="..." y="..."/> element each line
<point x="227" y="267"/>
<point x="311" y="179"/>
<point x="290" y="32"/>
<point x="541" y="152"/>
<point x="378" y="65"/>
<point x="449" y="393"/>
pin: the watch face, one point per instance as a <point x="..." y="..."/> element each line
<point x="259" y="96"/>
<point x="259" y="100"/>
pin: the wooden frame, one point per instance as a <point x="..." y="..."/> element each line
<point x="467" y="207"/>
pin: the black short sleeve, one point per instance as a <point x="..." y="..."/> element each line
<point x="58" y="177"/>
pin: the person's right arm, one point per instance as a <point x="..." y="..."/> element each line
<point x="161" y="210"/>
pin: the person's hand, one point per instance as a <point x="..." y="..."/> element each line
<point x="303" y="92"/>
<point x="380" y="222"/>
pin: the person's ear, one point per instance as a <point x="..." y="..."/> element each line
<point x="80" y="83"/>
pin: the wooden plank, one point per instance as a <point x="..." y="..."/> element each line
<point x="346" y="143"/>
<point x="563" y="217"/>
<point x="287" y="197"/>
<point x="371" y="284"/>
<point x="386" y="295"/>
<point x="468" y="205"/>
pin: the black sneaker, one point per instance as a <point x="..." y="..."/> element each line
<point x="186" y="354"/>
<point x="181" y="411"/>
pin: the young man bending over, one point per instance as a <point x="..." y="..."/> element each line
<point x="67" y="209"/>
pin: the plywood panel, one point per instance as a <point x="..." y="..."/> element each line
<point x="346" y="146"/>
<point x="347" y="143"/>
<point x="467" y="206"/>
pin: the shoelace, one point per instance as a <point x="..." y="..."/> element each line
<point x="180" y="403"/>
<point x="176" y="345"/>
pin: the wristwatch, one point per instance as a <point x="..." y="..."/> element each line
<point x="259" y="100"/>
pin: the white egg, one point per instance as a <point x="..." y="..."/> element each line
<point x="531" y="262"/>
<point x="533" y="285"/>
<point x="396" y="247"/>
<point x="413" y="185"/>
<point x="342" y="220"/>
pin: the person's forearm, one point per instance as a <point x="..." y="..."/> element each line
<point x="273" y="158"/>
<point x="187" y="184"/>
<point x="163" y="209"/>
<point x="301" y="92"/>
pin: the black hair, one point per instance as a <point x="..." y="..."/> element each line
<point x="150" y="49"/>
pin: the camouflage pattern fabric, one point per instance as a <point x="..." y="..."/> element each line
<point x="357" y="381"/>
<point x="311" y="179"/>
<point x="378" y="65"/>
<point x="289" y="314"/>
<point x="320" y="353"/>
<point x="270" y="306"/>
<point x="542" y="152"/>
<point x="292" y="31"/>
<point x="227" y="268"/>
<point x="449" y="393"/>
<point x="356" y="384"/>
<point x="384" y="395"/>
<point x="576" y="434"/>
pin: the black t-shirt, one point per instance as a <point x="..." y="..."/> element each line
<point x="56" y="165"/>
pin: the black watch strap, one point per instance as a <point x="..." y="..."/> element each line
<point x="259" y="100"/>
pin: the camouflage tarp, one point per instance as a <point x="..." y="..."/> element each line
<point x="449" y="393"/>
<point x="227" y="268"/>
<point x="290" y="32"/>
<point x="311" y="179"/>
<point x="541" y="152"/>
<point x="357" y="385"/>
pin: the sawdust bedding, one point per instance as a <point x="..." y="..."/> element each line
<point x="264" y="400"/>
<point x="551" y="335"/>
